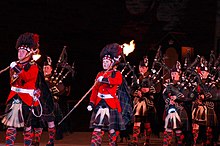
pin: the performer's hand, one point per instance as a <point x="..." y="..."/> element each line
<point x="89" y="108"/>
<point x="202" y="96"/>
<point x="208" y="95"/>
<point x="152" y="89"/>
<point x="100" y="79"/>
<point x="15" y="67"/>
<point x="139" y="93"/>
<point x="37" y="93"/>
<point x="172" y="102"/>
<point x="13" y="64"/>
<point x="173" y="97"/>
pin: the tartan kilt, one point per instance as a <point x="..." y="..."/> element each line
<point x="48" y="111"/>
<point x="211" y="118"/>
<point x="23" y="116"/>
<point x="143" y="107"/>
<point x="199" y="114"/>
<point x="114" y="121"/>
<point x="47" y="116"/>
<point x="149" y="117"/>
<point x="151" y="114"/>
<point x="185" y="124"/>
<point x="207" y="117"/>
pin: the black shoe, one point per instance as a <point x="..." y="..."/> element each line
<point x="50" y="144"/>
<point x="34" y="143"/>
<point x="146" y="144"/>
<point x="121" y="140"/>
<point x="132" y="144"/>
<point x="58" y="137"/>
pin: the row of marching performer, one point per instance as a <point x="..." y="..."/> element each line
<point x="190" y="96"/>
<point x="30" y="104"/>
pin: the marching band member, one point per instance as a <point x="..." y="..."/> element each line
<point x="217" y="108"/>
<point x="144" y="110"/>
<point x="203" y="108"/>
<point x="55" y="90"/>
<point x="176" y="119"/>
<point x="25" y="93"/>
<point x="38" y="127"/>
<point x="104" y="102"/>
<point x="56" y="86"/>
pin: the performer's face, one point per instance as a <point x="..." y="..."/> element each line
<point x="175" y="76"/>
<point x="106" y="64"/>
<point x="22" y="54"/>
<point x="47" y="70"/>
<point x="204" y="74"/>
<point x="143" y="69"/>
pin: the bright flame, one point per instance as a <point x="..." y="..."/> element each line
<point x="36" y="57"/>
<point x="128" y="48"/>
<point x="36" y="54"/>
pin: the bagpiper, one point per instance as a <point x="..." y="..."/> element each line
<point x="203" y="113"/>
<point x="144" y="111"/>
<point x="175" y="115"/>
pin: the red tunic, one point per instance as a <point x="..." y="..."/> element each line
<point x="109" y="88"/>
<point x="26" y="80"/>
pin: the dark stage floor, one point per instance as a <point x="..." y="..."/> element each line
<point x="79" y="139"/>
<point x="74" y="139"/>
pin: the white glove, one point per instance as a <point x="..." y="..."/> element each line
<point x="100" y="79"/>
<point x="89" y="108"/>
<point x="13" y="64"/>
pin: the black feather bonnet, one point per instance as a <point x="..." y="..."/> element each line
<point x="112" y="51"/>
<point x="28" y="41"/>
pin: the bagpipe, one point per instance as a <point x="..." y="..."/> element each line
<point x="159" y="69"/>
<point x="213" y="78"/>
<point x="157" y="73"/>
<point x="191" y="77"/>
<point x="128" y="72"/>
<point x="61" y="72"/>
<point x="159" y="60"/>
<point x="214" y="67"/>
<point x="163" y="73"/>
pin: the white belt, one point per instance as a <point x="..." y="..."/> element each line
<point x="105" y="96"/>
<point x="21" y="90"/>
